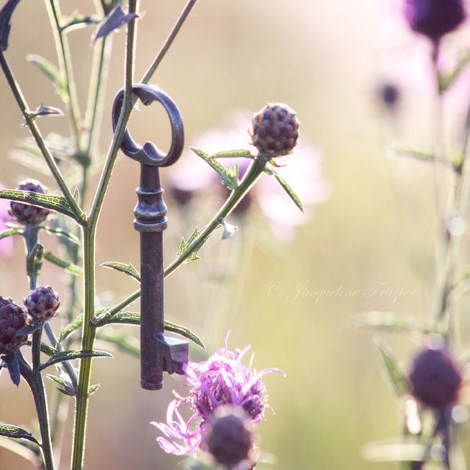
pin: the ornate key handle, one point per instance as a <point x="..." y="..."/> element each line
<point x="158" y="352"/>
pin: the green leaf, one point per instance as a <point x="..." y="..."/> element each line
<point x="229" y="176"/>
<point x="392" y="369"/>
<point x="60" y="232"/>
<point x="14" y="432"/>
<point x="65" y="386"/>
<point x="395" y="451"/>
<point x="93" y="389"/>
<point x="123" y="268"/>
<point x="11" y="232"/>
<point x="64" y="264"/>
<point x="185" y="244"/>
<point x="62" y="356"/>
<point x="394" y="321"/>
<point x="286" y="187"/>
<point x="51" y="72"/>
<point x="447" y="80"/>
<point x="71" y="328"/>
<point x="57" y="203"/>
<point x="239" y="153"/>
<point x="122" y="342"/>
<point x="132" y="318"/>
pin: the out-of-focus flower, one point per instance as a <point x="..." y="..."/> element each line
<point x="435" y="378"/>
<point x="6" y="244"/>
<point x="302" y="171"/>
<point x="221" y="380"/>
<point x="388" y="95"/>
<point x="434" y="18"/>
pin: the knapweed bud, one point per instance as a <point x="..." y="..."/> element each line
<point x="27" y="214"/>
<point x="435" y="378"/>
<point x="228" y="436"/>
<point x="12" y="319"/>
<point x="274" y="130"/>
<point x="434" y="18"/>
<point x="42" y="303"/>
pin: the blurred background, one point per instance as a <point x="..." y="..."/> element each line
<point x="369" y="245"/>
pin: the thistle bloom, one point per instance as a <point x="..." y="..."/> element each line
<point x="221" y="380"/>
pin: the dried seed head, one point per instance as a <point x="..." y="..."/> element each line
<point x="12" y="319"/>
<point x="434" y="18"/>
<point x="42" y="303"/>
<point x="435" y="378"/>
<point x="274" y="130"/>
<point x="25" y="213"/>
<point x="228" y="436"/>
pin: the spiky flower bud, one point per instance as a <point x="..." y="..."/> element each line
<point x="12" y="319"/>
<point x="434" y="18"/>
<point x="435" y="378"/>
<point x="42" y="303"/>
<point x="228" y="436"/>
<point x="274" y="130"/>
<point x="27" y="214"/>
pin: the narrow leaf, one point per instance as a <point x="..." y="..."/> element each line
<point x="286" y="187"/>
<point x="229" y="177"/>
<point x="46" y="111"/>
<point x="93" y="389"/>
<point x="65" y="386"/>
<point x="57" y="203"/>
<point x="447" y="80"/>
<point x="60" y="232"/>
<point x="11" y="232"/>
<point x="13" y="366"/>
<point x="5" y="22"/>
<point x="71" y="328"/>
<point x="394" y="322"/>
<point x="132" y="318"/>
<point x="28" y="329"/>
<point x="392" y="369"/>
<point x="62" y="356"/>
<point x="64" y="264"/>
<point x="238" y="153"/>
<point x="113" y="21"/>
<point x="123" y="268"/>
<point x="185" y="244"/>
<point x="51" y="72"/>
<point x="14" y="432"/>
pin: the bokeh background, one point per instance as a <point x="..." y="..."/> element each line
<point x="327" y="60"/>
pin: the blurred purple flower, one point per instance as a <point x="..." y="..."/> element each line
<point x="221" y="380"/>
<point x="302" y="172"/>
<point x="434" y="18"/>
<point x="6" y="244"/>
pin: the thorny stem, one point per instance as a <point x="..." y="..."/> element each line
<point x="65" y="64"/>
<point x="30" y="122"/>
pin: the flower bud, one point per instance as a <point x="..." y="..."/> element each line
<point x="42" y="303"/>
<point x="228" y="436"/>
<point x="434" y="18"/>
<point x="435" y="378"/>
<point x="27" y="214"/>
<point x="12" y="319"/>
<point x="275" y="130"/>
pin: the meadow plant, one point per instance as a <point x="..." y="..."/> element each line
<point x="226" y="397"/>
<point x="429" y="389"/>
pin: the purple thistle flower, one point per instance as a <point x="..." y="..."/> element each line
<point x="221" y="380"/>
<point x="434" y="18"/>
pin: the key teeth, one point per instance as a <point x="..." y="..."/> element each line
<point x="173" y="353"/>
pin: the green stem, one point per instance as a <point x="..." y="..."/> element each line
<point x="65" y="64"/>
<point x="30" y="122"/>
<point x="168" y="41"/>
<point x="89" y="331"/>
<point x="40" y="400"/>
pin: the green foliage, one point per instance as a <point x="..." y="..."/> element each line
<point x="64" y="264"/>
<point x="128" y="269"/>
<point x="392" y="369"/>
<point x="62" y="356"/>
<point x="186" y="243"/>
<point x="51" y="72"/>
<point x="229" y="176"/>
<point x="285" y="186"/>
<point x="14" y="432"/>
